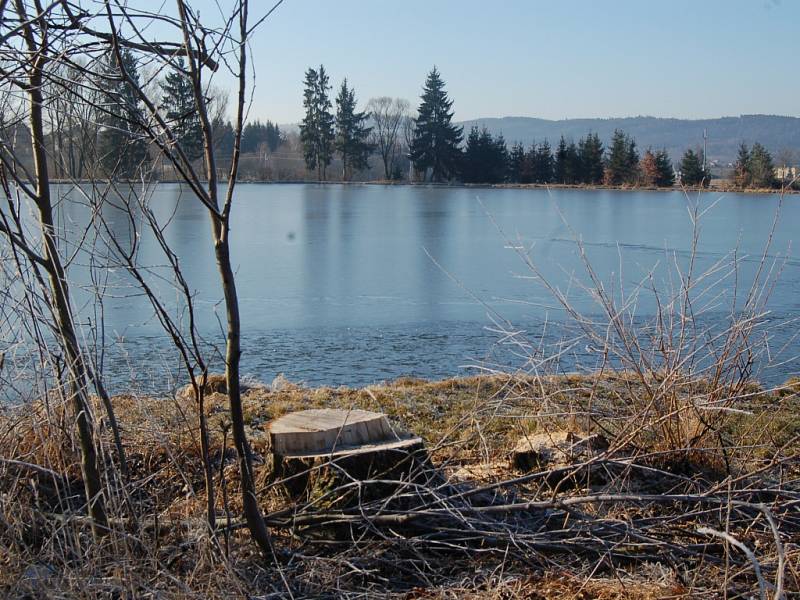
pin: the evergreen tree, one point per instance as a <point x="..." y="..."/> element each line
<point x="560" y="165"/>
<point x="665" y="173"/>
<point x="590" y="155"/>
<point x="543" y="163"/>
<point x="122" y="148"/>
<point x="516" y="163"/>
<point x="223" y="138"/>
<point x="436" y="140"/>
<point x="352" y="133"/>
<point x="692" y="169"/>
<point x="572" y="165"/>
<point x="529" y="165"/>
<point x="634" y="174"/>
<point x="180" y="111"/>
<point x="761" y="167"/>
<point x="257" y="133"/>
<point x="485" y="158"/>
<point x="741" y="169"/>
<point x="566" y="164"/>
<point x="316" y="128"/>
<point x="499" y="161"/>
<point x="623" y="160"/>
<point x="471" y="159"/>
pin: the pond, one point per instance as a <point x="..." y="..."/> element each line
<point x="355" y="284"/>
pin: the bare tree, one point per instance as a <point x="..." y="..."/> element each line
<point x="231" y="41"/>
<point x="116" y="29"/>
<point x="388" y="115"/>
<point x="28" y="76"/>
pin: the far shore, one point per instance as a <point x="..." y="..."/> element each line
<point x="512" y="186"/>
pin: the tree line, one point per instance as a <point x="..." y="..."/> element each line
<point x="105" y="139"/>
<point x="438" y="150"/>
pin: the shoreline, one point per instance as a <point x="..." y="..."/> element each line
<point x="501" y="186"/>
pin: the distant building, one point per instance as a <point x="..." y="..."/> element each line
<point x="784" y="173"/>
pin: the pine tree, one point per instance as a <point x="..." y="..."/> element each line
<point x="516" y="163"/>
<point x="273" y="136"/>
<point x="257" y="133"/>
<point x="436" y="141"/>
<point x="499" y="162"/>
<point x="623" y="160"/>
<point x="122" y="148"/>
<point x="665" y="173"/>
<point x="572" y="165"/>
<point x="692" y="169"/>
<point x="224" y="138"/>
<point x="530" y="164"/>
<point x="633" y="173"/>
<point x="741" y="169"/>
<point x="352" y="133"/>
<point x="543" y="164"/>
<point x="560" y="166"/>
<point x="590" y="154"/>
<point x="761" y="168"/>
<point x="178" y="105"/>
<point x="485" y="158"/>
<point x="316" y="128"/>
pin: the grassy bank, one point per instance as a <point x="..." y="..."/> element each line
<point x="670" y="464"/>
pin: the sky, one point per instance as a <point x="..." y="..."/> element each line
<point x="548" y="59"/>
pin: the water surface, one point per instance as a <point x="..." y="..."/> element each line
<point x="350" y="285"/>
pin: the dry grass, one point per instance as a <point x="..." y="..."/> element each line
<point x="161" y="549"/>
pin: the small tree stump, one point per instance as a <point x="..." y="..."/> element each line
<point x="557" y="452"/>
<point x="317" y="450"/>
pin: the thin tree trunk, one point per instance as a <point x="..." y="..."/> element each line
<point x="59" y="290"/>
<point x="220" y="226"/>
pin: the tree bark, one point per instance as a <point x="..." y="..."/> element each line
<point x="59" y="288"/>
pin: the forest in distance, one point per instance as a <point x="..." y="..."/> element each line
<point x="386" y="141"/>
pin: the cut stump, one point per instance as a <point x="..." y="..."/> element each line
<point x="317" y="450"/>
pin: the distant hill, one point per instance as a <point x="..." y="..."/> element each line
<point x="676" y="135"/>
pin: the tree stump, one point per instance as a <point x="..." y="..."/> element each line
<point x="315" y="451"/>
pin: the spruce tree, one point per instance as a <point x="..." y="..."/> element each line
<point x="572" y="164"/>
<point x="692" y="169"/>
<point x="224" y="138"/>
<point x="485" y="158"/>
<point x="761" y="168"/>
<point x="560" y="165"/>
<point x="471" y="159"/>
<point x="543" y="164"/>
<point x="180" y="112"/>
<point x="590" y="154"/>
<point x="122" y="149"/>
<point x="665" y="173"/>
<point x="256" y="133"/>
<point x="623" y="160"/>
<point x="317" y="127"/>
<point x="499" y="162"/>
<point x="530" y="164"/>
<point x="516" y="163"/>
<point x="741" y="169"/>
<point x="436" y="140"/>
<point x="352" y="133"/>
<point x="273" y="136"/>
<point x="633" y="173"/>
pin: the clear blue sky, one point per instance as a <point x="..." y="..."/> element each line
<point x="550" y="59"/>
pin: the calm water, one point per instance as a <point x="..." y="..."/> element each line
<point x="356" y="284"/>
